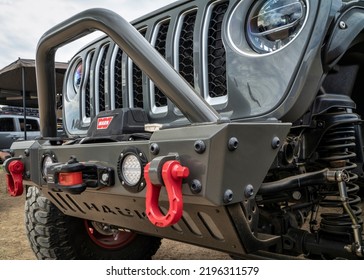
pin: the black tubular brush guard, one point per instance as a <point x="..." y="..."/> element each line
<point x="195" y="108"/>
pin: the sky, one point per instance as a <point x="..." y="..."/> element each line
<point x="23" y="22"/>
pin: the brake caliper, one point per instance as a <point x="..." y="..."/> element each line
<point x="164" y="171"/>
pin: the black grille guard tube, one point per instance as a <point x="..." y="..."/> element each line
<point x="191" y="104"/>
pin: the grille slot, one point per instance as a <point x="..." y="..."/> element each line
<point x="137" y="82"/>
<point x="160" y="45"/>
<point x="101" y="102"/>
<point x="159" y="41"/>
<point x="216" y="52"/>
<point x="87" y="92"/>
<point x="137" y="87"/>
<point x="184" y="63"/>
<point x="117" y="94"/>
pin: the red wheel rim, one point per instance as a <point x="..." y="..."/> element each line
<point x="109" y="241"/>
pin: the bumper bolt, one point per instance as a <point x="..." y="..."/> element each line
<point x="196" y="186"/>
<point x="233" y="144"/>
<point x="200" y="146"/>
<point x="276" y="142"/>
<point x="154" y="149"/>
<point x="228" y="196"/>
<point x="249" y="191"/>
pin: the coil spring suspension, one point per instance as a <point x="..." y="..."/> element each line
<point x="337" y="151"/>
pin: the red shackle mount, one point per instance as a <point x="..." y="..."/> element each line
<point x="14" y="177"/>
<point x="169" y="173"/>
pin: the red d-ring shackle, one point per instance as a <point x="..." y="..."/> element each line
<point x="172" y="174"/>
<point x="14" y="177"/>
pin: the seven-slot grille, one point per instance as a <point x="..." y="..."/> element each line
<point x="118" y="82"/>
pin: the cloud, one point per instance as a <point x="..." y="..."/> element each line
<point x="23" y="22"/>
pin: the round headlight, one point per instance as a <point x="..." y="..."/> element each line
<point x="131" y="169"/>
<point x="77" y="76"/>
<point x="272" y="24"/>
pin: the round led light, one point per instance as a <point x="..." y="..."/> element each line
<point x="131" y="169"/>
<point x="272" y="24"/>
<point x="77" y="76"/>
<point x="47" y="161"/>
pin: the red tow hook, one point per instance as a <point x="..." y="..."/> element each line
<point x="172" y="174"/>
<point x="14" y="176"/>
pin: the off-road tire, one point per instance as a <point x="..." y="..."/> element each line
<point x="53" y="235"/>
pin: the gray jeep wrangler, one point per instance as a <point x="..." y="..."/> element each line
<point x="229" y="124"/>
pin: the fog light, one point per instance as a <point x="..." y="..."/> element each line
<point x="130" y="169"/>
<point x="48" y="160"/>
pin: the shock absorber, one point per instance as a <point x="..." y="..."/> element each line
<point x="337" y="151"/>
